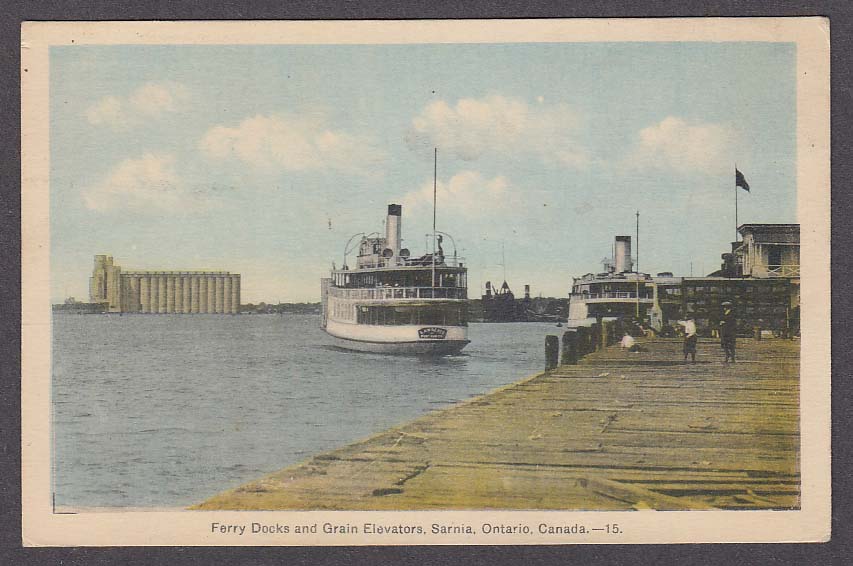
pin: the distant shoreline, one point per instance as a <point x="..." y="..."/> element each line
<point x="250" y="308"/>
<point x="475" y="308"/>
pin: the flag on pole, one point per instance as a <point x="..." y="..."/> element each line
<point x="740" y="180"/>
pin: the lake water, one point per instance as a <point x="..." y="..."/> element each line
<point x="166" y="411"/>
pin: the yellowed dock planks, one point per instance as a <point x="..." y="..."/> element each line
<point x="617" y="431"/>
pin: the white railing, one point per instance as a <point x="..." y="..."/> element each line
<point x="610" y="295"/>
<point x="380" y="293"/>
<point x="783" y="271"/>
<point x="409" y="262"/>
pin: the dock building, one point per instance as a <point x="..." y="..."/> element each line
<point x="163" y="292"/>
<point x="760" y="276"/>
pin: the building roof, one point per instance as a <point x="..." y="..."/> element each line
<point x="772" y="233"/>
<point x="770" y="227"/>
<point x="148" y="272"/>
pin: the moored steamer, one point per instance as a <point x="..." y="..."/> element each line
<point x="393" y="303"/>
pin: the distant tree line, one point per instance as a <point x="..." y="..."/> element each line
<point x="281" y="308"/>
<point x="536" y="306"/>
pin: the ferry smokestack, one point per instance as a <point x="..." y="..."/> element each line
<point x="393" y="228"/>
<point x="622" y="254"/>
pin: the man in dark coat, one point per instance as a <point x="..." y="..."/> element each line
<point x="728" y="331"/>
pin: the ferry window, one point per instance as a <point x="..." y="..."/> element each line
<point x="439" y="315"/>
<point x="432" y="316"/>
<point x="404" y="315"/>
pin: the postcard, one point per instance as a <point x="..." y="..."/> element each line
<point x="426" y="282"/>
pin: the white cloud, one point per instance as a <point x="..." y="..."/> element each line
<point x="107" y="111"/>
<point x="501" y="126"/>
<point x="467" y="193"/>
<point x="154" y="99"/>
<point x="679" y="145"/>
<point x="150" y="101"/>
<point x="293" y="143"/>
<point x="147" y="183"/>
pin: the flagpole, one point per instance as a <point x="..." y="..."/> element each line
<point x="434" y="199"/>
<point x="736" y="233"/>
<point x="637" y="267"/>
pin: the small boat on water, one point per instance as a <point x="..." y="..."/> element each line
<point x="392" y="303"/>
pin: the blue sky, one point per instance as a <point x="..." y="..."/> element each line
<point x="264" y="160"/>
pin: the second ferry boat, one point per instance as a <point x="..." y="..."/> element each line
<point x="390" y="302"/>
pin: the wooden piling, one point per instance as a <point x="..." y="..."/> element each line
<point x="552" y="351"/>
<point x="569" y="354"/>
<point x="583" y="341"/>
<point x="606" y="339"/>
<point x="590" y="340"/>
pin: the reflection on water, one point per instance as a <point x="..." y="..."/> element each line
<point x="168" y="410"/>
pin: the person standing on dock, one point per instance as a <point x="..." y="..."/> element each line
<point x="690" y="338"/>
<point x="728" y="331"/>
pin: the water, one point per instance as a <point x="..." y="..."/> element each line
<point x="165" y="411"/>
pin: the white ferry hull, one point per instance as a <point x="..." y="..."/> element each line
<point x="401" y="340"/>
<point x="423" y="348"/>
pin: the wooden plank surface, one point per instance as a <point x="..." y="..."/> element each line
<point x="617" y="431"/>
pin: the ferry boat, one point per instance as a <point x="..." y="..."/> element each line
<point x="617" y="292"/>
<point x="763" y="286"/>
<point x="392" y="303"/>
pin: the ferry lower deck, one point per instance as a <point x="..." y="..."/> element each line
<point x="400" y="328"/>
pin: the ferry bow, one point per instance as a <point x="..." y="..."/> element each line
<point x="390" y="302"/>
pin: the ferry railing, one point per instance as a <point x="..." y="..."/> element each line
<point x="382" y="293"/>
<point x="410" y="262"/>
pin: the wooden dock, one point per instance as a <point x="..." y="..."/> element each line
<point x="616" y="431"/>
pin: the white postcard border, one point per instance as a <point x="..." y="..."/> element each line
<point x="41" y="527"/>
